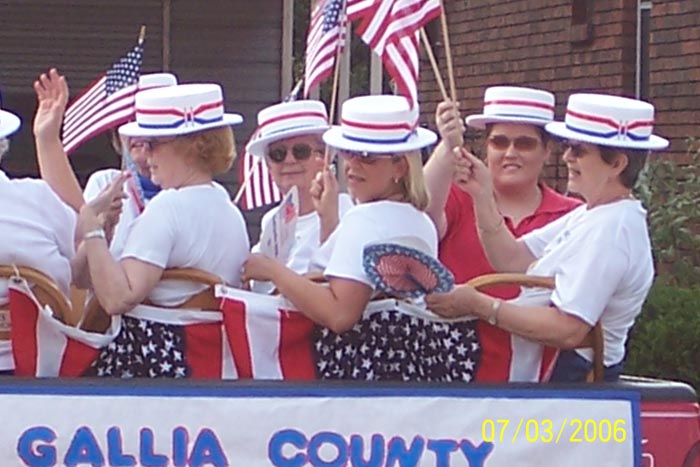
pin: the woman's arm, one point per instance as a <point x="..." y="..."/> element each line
<point x="52" y="96"/>
<point x="544" y="324"/>
<point x="338" y="306"/>
<point x="503" y="250"/>
<point x="119" y="286"/>
<point x="438" y="171"/>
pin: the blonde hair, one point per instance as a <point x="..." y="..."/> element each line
<point x="214" y="150"/>
<point x="413" y="183"/>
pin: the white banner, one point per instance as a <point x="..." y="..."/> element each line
<point x="294" y="426"/>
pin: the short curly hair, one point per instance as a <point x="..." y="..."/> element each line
<point x="214" y="150"/>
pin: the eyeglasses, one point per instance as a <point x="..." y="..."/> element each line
<point x="148" y="144"/>
<point x="365" y="157"/>
<point x="300" y="151"/>
<point x="521" y="143"/>
<point x="576" y="150"/>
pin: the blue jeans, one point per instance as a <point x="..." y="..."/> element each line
<point x="573" y="368"/>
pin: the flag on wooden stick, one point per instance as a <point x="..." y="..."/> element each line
<point x="325" y="40"/>
<point x="390" y="28"/>
<point x="106" y="103"/>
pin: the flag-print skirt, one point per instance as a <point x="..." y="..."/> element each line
<point x="398" y="342"/>
<point x="155" y="342"/>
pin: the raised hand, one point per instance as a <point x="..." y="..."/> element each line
<point x="324" y="192"/>
<point x="450" y="124"/>
<point x="52" y="96"/>
<point x="471" y="174"/>
<point x="107" y="206"/>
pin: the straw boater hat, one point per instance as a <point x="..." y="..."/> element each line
<point x="156" y="80"/>
<point x="606" y="120"/>
<point x="288" y="119"/>
<point x="379" y="124"/>
<point x="179" y="110"/>
<point x="512" y="104"/>
<point x="9" y="122"/>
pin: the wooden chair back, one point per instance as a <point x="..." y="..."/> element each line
<point x="594" y="339"/>
<point x="45" y="290"/>
<point x="97" y="320"/>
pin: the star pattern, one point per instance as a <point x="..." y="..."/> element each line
<point x="143" y="349"/>
<point x="392" y="346"/>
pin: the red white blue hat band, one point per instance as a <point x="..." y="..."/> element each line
<point x="287" y="120"/>
<point x="179" y="110"/>
<point x="609" y="121"/>
<point x="513" y="104"/>
<point x="379" y="124"/>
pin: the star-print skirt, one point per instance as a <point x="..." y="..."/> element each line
<point x="143" y="348"/>
<point x="393" y="346"/>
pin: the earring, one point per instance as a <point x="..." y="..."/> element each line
<point x="396" y="180"/>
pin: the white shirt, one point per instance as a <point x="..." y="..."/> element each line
<point x="37" y="230"/>
<point x="603" y="268"/>
<point x="306" y="239"/>
<point x="196" y="226"/>
<point x="95" y="185"/>
<point x="341" y="255"/>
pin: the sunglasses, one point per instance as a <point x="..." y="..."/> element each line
<point x="149" y="144"/>
<point x="365" y="157"/>
<point x="521" y="143"/>
<point x="576" y="150"/>
<point x="300" y="151"/>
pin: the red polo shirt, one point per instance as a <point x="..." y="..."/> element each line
<point x="460" y="250"/>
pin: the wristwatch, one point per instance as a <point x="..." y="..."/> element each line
<point x="97" y="233"/>
<point x="495" y="308"/>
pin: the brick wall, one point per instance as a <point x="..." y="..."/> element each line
<point x="674" y="71"/>
<point x="533" y="43"/>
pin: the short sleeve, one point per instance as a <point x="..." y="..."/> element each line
<point x="152" y="235"/>
<point x="64" y="220"/>
<point x="537" y="240"/>
<point x="352" y="235"/>
<point x="587" y="280"/>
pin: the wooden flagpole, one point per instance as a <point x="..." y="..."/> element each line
<point x="448" y="51"/>
<point x="336" y="77"/>
<point x="433" y="63"/>
<point x="142" y="34"/>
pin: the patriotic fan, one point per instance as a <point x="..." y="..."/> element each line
<point x="289" y="141"/>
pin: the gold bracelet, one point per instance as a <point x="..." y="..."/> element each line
<point x="491" y="230"/>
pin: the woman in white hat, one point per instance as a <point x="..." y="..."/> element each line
<point x="379" y="143"/>
<point x="599" y="254"/>
<point x="37" y="230"/>
<point x="191" y="223"/>
<point x="517" y="148"/>
<point x="289" y="140"/>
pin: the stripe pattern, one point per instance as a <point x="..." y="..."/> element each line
<point x="108" y="102"/>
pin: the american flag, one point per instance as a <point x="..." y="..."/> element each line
<point x="260" y="190"/>
<point x="390" y="28"/>
<point x="326" y="38"/>
<point x="106" y="103"/>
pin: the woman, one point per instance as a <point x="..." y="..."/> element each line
<point x="599" y="254"/>
<point x="191" y="223"/>
<point x="36" y="228"/>
<point x="379" y="144"/>
<point x="517" y="148"/>
<point x="290" y="142"/>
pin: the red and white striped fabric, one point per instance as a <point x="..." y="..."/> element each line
<point x="260" y="190"/>
<point x="42" y="345"/>
<point x="324" y="42"/>
<point x="390" y="28"/>
<point x="269" y="338"/>
<point x="106" y="103"/>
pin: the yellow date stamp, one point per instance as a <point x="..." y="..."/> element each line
<point x="567" y="430"/>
